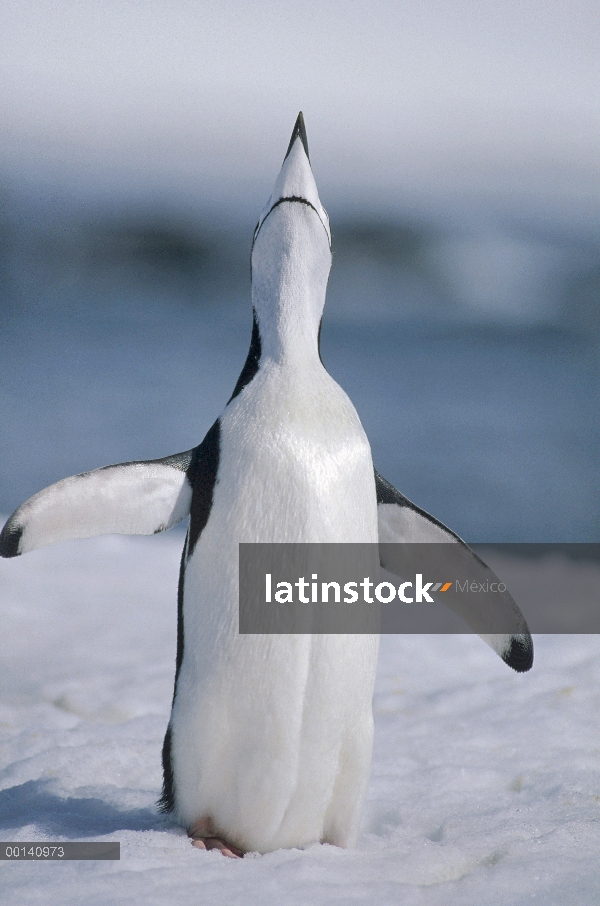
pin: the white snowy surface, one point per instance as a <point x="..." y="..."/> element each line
<point x="485" y="785"/>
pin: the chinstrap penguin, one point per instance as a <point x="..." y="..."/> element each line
<point x="269" y="740"/>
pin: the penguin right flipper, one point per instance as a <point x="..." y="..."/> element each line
<point x="494" y="616"/>
<point x="131" y="498"/>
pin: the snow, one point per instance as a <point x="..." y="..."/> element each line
<point x="484" y="786"/>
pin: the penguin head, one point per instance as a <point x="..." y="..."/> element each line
<point x="295" y="182"/>
<point x="291" y="253"/>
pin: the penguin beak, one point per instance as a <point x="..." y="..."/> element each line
<point x="299" y="132"/>
<point x="295" y="181"/>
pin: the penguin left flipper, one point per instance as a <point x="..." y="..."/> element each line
<point x="131" y="498"/>
<point x="492" y="615"/>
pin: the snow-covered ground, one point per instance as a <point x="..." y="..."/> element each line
<point x="485" y="784"/>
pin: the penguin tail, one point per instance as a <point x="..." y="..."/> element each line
<point x="166" y="801"/>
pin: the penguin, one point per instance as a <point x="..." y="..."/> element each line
<point x="269" y="740"/>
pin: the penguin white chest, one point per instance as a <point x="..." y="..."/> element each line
<point x="272" y="734"/>
<point x="295" y="464"/>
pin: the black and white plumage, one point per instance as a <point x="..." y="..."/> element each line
<point x="269" y="741"/>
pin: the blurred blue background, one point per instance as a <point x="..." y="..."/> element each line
<point x="455" y="146"/>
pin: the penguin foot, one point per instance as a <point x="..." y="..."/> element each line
<point x="202" y="837"/>
<point x="232" y="852"/>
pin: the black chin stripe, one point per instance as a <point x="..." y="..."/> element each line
<point x="276" y="205"/>
<point x="319" y="341"/>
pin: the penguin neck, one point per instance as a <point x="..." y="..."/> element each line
<point x="291" y="259"/>
<point x="289" y="328"/>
